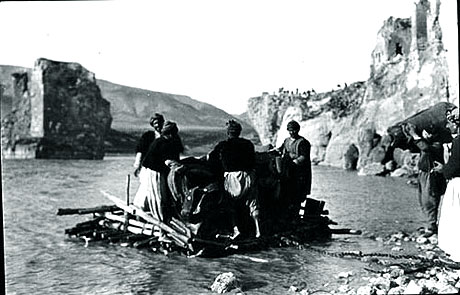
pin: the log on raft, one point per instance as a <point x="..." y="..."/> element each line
<point x="75" y="231"/>
<point x="89" y="224"/>
<point x="345" y="231"/>
<point x="119" y="218"/>
<point x="145" y="243"/>
<point x="99" y="209"/>
<point x="117" y="222"/>
<point x="180" y="239"/>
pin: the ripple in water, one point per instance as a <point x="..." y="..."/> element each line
<point x="39" y="258"/>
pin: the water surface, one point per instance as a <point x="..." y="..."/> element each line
<point x="39" y="259"/>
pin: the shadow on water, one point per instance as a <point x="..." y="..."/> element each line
<point x="39" y="257"/>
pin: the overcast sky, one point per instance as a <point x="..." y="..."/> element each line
<point x="219" y="52"/>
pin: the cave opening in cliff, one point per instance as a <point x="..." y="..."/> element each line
<point x="398" y="49"/>
<point x="351" y="157"/>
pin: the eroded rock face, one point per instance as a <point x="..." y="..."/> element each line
<point x="58" y="112"/>
<point x="317" y="115"/>
<point x="409" y="73"/>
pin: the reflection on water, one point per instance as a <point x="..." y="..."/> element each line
<point x="40" y="260"/>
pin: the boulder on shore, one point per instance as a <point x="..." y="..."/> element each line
<point x="225" y="282"/>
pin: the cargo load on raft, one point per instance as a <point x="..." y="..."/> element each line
<point x="202" y="227"/>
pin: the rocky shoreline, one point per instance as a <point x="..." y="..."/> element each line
<point x="413" y="265"/>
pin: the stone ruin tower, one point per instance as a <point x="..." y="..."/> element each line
<point x="57" y="113"/>
<point x="410" y="58"/>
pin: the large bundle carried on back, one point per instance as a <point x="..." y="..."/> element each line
<point x="432" y="119"/>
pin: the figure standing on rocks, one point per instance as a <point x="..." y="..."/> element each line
<point x="296" y="173"/>
<point x="431" y="184"/>
<point x="153" y="193"/>
<point x="234" y="158"/>
<point x="156" y="121"/>
<point x="449" y="218"/>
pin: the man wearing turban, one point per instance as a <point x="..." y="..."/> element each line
<point x="431" y="185"/>
<point x="156" y="121"/>
<point x="234" y="158"/>
<point x="296" y="169"/>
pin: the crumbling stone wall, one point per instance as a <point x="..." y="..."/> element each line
<point x="394" y="41"/>
<point x="21" y="105"/>
<point x="58" y="112"/>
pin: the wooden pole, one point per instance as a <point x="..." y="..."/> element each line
<point x="127" y="202"/>
<point x="127" y="189"/>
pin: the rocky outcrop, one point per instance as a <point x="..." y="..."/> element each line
<point x="57" y="112"/>
<point x="316" y="113"/>
<point x="406" y="162"/>
<point x="409" y="73"/>
<point x="225" y="282"/>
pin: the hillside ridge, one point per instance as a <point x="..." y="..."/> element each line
<point x="132" y="107"/>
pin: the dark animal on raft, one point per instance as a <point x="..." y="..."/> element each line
<point x="201" y="224"/>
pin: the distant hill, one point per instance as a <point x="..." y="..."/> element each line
<point x="132" y="107"/>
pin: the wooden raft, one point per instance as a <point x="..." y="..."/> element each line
<point x="127" y="224"/>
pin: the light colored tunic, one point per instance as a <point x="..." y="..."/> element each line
<point x="241" y="185"/>
<point x="149" y="194"/>
<point x="449" y="220"/>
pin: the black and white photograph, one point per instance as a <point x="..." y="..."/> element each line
<point x="239" y="147"/>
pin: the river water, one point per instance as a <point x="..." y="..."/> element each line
<point x="40" y="259"/>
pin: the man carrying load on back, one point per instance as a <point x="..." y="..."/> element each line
<point x="234" y="158"/>
<point x="431" y="184"/>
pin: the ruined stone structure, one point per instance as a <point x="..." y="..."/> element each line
<point x="57" y="113"/>
<point x="395" y="42"/>
<point x="409" y="73"/>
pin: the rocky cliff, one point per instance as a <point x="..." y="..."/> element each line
<point x="57" y="112"/>
<point x="409" y="73"/>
